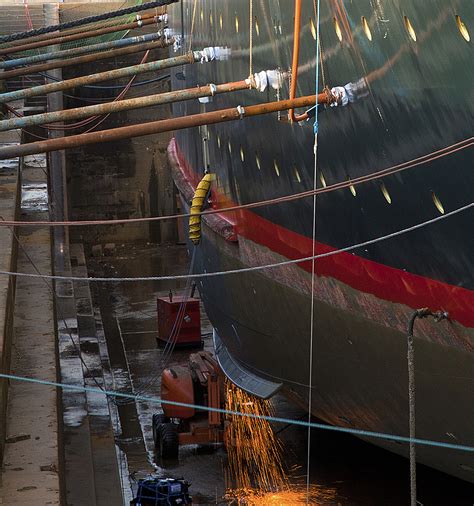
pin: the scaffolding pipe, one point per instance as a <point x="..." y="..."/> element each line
<point x="125" y="105"/>
<point x="57" y="55"/>
<point x="85" y="21"/>
<point x="207" y="54"/>
<point x="167" y="125"/>
<point x="103" y="55"/>
<point x="61" y="39"/>
<point x="51" y="38"/>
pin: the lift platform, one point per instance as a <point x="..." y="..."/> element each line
<point x="202" y="384"/>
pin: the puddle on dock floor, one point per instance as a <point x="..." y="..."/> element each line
<point x="138" y="362"/>
<point x="34" y="197"/>
<point x="344" y="470"/>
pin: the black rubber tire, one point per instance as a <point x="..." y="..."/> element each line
<point x="156" y="421"/>
<point x="168" y="441"/>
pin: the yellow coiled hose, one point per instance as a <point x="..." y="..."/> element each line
<point x="197" y="205"/>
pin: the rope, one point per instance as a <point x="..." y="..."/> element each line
<point x="419" y="313"/>
<point x="321" y="53"/>
<point x="311" y="343"/>
<point x="412" y="420"/>
<point x="277" y="200"/>
<point x="192" y="25"/>
<point x="251" y="38"/>
<point x="255" y="268"/>
<point x="84" y="21"/>
<point x="301" y="423"/>
<point x="172" y="338"/>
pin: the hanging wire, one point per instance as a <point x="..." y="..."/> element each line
<point x="313" y="261"/>
<point x="372" y="176"/>
<point x="193" y="20"/>
<point x="86" y="121"/>
<point x="172" y="338"/>
<point x="256" y="267"/>
<point x="301" y="423"/>
<point x="250" y="38"/>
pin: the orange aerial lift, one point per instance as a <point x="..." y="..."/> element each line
<point x="202" y="384"/>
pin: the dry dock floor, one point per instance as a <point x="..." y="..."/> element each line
<point x="30" y="475"/>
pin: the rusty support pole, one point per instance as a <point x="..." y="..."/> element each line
<point x="167" y="125"/>
<point x="191" y="57"/>
<point x="85" y="21"/>
<point x="50" y="38"/>
<point x="79" y="60"/>
<point x="124" y="105"/>
<point x="56" y="55"/>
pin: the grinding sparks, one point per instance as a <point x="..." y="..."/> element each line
<point x="256" y="474"/>
<point x="318" y="496"/>
<point x="254" y="452"/>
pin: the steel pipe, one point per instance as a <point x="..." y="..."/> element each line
<point x="185" y="59"/>
<point x="56" y="55"/>
<point x="61" y="39"/>
<point x="167" y="125"/>
<point x="85" y="21"/>
<point x="79" y="60"/>
<point x="125" y="105"/>
<point x="51" y="38"/>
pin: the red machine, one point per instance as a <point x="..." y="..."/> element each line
<point x="179" y="320"/>
<point x="202" y="383"/>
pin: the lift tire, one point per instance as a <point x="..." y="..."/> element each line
<point x="156" y="421"/>
<point x="168" y="441"/>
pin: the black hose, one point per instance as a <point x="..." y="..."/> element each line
<point x="423" y="313"/>
<point x="84" y="21"/>
<point x="418" y="313"/>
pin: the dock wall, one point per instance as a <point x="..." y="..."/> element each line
<point x="10" y="196"/>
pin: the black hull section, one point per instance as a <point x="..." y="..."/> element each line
<point x="419" y="100"/>
<point x="360" y="368"/>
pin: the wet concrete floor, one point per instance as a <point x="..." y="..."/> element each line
<point x="31" y="467"/>
<point x="128" y="312"/>
<point x="346" y="471"/>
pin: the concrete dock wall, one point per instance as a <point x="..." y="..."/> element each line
<point x="10" y="197"/>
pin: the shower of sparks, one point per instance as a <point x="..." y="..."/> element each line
<point x="298" y="495"/>
<point x="254" y="452"/>
<point x="256" y="474"/>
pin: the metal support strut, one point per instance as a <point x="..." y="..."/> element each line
<point x="56" y="55"/>
<point x="83" y="33"/>
<point x="166" y="125"/>
<point x="85" y="21"/>
<point x="79" y="60"/>
<point x="207" y="54"/>
<point x="126" y="105"/>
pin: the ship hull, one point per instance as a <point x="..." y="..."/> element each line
<point x="417" y="101"/>
<point x="360" y="378"/>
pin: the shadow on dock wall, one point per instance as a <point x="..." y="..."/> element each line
<point x="8" y="286"/>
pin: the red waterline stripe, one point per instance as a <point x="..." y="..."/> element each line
<point x="387" y="283"/>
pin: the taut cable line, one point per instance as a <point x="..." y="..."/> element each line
<point x="313" y="254"/>
<point x="302" y="423"/>
<point x="254" y="268"/>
